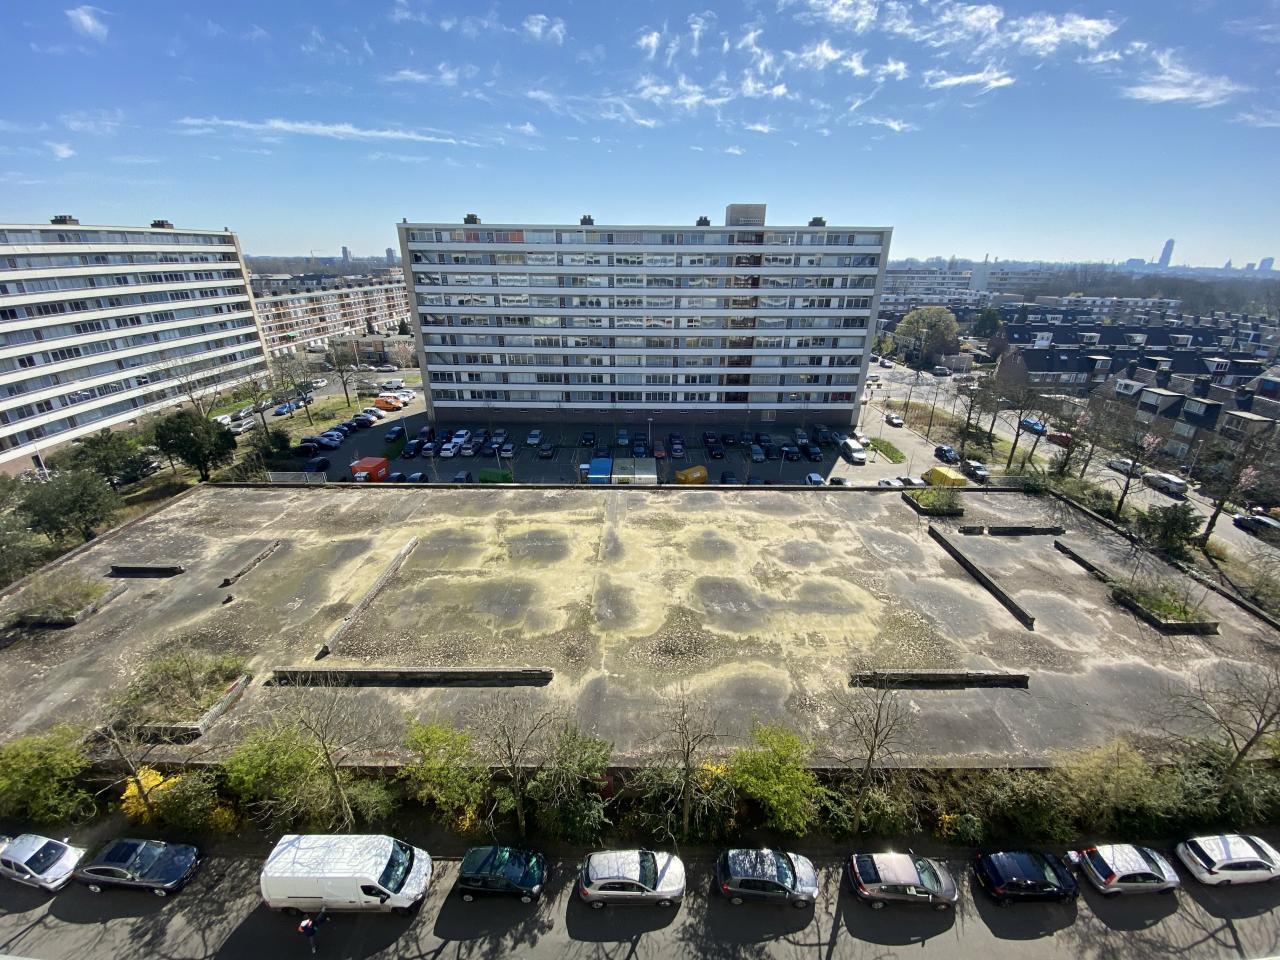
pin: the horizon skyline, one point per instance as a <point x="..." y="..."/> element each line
<point x="1051" y="132"/>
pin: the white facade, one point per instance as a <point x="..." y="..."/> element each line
<point x="719" y="322"/>
<point x="926" y="281"/>
<point x="311" y="318"/>
<point x="99" y="325"/>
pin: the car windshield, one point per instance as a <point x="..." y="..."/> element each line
<point x="785" y="871"/>
<point x="398" y="867"/>
<point x="146" y="857"/>
<point x="523" y="869"/>
<point x="648" y="869"/>
<point x="1045" y="874"/>
<point x="45" y="857"/>
<point x="928" y="876"/>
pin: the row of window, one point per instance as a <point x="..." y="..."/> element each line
<point x="642" y="303"/>
<point x="805" y="398"/>
<point x="651" y="259"/>
<point x="57" y="307"/>
<point x="16" y="336"/>
<point x="721" y="382"/>
<point x="433" y="321"/>
<point x="634" y="360"/>
<point x="811" y="238"/>
<point x="581" y="342"/>
<point x="44" y="261"/>
<point x="63" y="235"/>
<point x="603" y="281"/>
<point x="54" y="284"/>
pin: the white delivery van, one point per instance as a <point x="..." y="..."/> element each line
<point x="853" y="451"/>
<point x="394" y="384"/>
<point x="308" y="873"/>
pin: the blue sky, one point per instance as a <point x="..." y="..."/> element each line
<point x="1047" y="129"/>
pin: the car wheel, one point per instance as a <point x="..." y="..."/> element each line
<point x="401" y="911"/>
<point x="526" y="899"/>
<point x="940" y="907"/>
<point x="597" y="904"/>
<point x="736" y="901"/>
<point x="160" y="892"/>
<point x="468" y="897"/>
<point x="291" y="912"/>
<point x="95" y="888"/>
<point x="800" y="904"/>
<point x="1225" y="883"/>
<point x="666" y="903"/>
<point x="876" y="904"/>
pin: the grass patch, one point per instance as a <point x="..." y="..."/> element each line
<point x="942" y="501"/>
<point x="59" y="595"/>
<point x="1161" y="600"/>
<point x="179" y="686"/>
<point x="887" y="450"/>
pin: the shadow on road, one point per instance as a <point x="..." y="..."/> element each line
<point x="1129" y="912"/>
<point x="897" y="925"/>
<point x="1232" y="902"/>
<point x="1021" y="921"/>
<point x="75" y="904"/>
<point x="497" y="927"/>
<point x="615" y="924"/>
<point x="713" y="927"/>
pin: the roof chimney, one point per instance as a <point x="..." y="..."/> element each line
<point x="818" y="222"/>
<point x="587" y="220"/>
<point x="703" y="222"/>
<point x="64" y="220"/>
<point x="471" y="218"/>
<point x="161" y="225"/>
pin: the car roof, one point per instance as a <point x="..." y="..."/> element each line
<point x="1019" y="864"/>
<point x="614" y="865"/>
<point x="1228" y="846"/>
<point x="20" y="848"/>
<point x="305" y="855"/>
<point x="759" y="864"/>
<point x="896" y="868"/>
<point x="1123" y="858"/>
<point x="491" y="861"/>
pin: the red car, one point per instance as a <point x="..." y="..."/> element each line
<point x="1059" y="439"/>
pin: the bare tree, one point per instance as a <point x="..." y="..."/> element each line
<point x="515" y="736"/>
<point x="1236" y="707"/>
<point x="1229" y="472"/>
<point x="401" y="354"/>
<point x="1141" y="444"/>
<point x="869" y="728"/>
<point x="676" y="781"/>
<point x="292" y="372"/>
<point x="342" y="357"/>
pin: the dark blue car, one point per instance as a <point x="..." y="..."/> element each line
<point x="162" y="868"/>
<point x="394" y="434"/>
<point x="1018" y="875"/>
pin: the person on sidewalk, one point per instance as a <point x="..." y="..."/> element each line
<point x="308" y="928"/>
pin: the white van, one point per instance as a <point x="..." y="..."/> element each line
<point x="394" y="384"/>
<point x="1167" y="482"/>
<point x="853" y="451"/>
<point x="308" y="873"/>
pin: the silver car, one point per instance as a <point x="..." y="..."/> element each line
<point x="770" y="875"/>
<point x="881" y="878"/>
<point x="1117" y="868"/>
<point x="38" y="861"/>
<point x="631" y="876"/>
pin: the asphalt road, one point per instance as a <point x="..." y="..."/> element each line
<point x="219" y="917"/>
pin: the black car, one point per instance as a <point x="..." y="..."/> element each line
<point x="504" y="871"/>
<point x="1011" y="876"/>
<point x="715" y="451"/>
<point x="162" y="868"/>
<point x="588" y="439"/>
<point x="790" y="453"/>
<point x="546" y="450"/>
<point x="771" y="452"/>
<point x="946" y="453"/>
<point x="427" y="434"/>
<point x="674" y="438"/>
<point x="316" y="465"/>
<point x="1261" y="526"/>
<point x="813" y="453"/>
<point x="462" y="476"/>
<point x="305" y="449"/>
<point x="728" y="476"/>
<point x="397" y="477"/>
<point x="710" y="437"/>
<point x="394" y="434"/>
<point x="411" y="449"/>
<point x="729" y="439"/>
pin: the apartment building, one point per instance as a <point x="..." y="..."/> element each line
<point x="721" y="323"/>
<point x="99" y="325"/>
<point x="926" y="281"/>
<point x="311" y="312"/>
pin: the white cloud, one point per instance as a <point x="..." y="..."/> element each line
<point x="1042" y="34"/>
<point x="84" y="20"/>
<point x="855" y="15"/>
<point x="445" y="76"/>
<point x="212" y="28"/>
<point x="541" y="27"/>
<point x="989" y="78"/>
<point x="853" y="64"/>
<point x="762" y="60"/>
<point x="1265" y="117"/>
<point x="60" y="151"/>
<point x="99" y="122"/>
<point x="891" y="69"/>
<point x="398" y="157"/>
<point x="759" y="128"/>
<point x="1255" y="28"/>
<point x="255" y="33"/>
<point x="698" y="149"/>
<point x="648" y="42"/>
<point x="1168" y="80"/>
<point x="135" y="159"/>
<point x="890" y="123"/>
<point x="818" y="56"/>
<point x="312" y="128"/>
<point x="698" y="24"/>
<point x="753" y="88"/>
<point x="951" y="23"/>
<point x="545" y="97"/>
<point x="1101" y="57"/>
<point x="527" y="128"/>
<point x="734" y="151"/>
<point x="403" y="12"/>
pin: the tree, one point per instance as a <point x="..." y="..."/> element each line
<point x="446" y="774"/>
<point x="869" y="727"/>
<point x="401" y="354"/>
<point x="1169" y="528"/>
<point x="567" y="788"/>
<point x="198" y="442"/>
<point x="342" y="357"/>
<point x="113" y="455"/>
<point x="293" y="374"/>
<point x="17" y="551"/>
<point x="933" y="330"/>
<point x="679" y="789"/>
<point x="73" y="501"/>
<point x="514" y="735"/>
<point x="775" y="773"/>
<point x="988" y="324"/>
<point x="403" y="327"/>
<point x="1228" y="473"/>
<point x="39" y="777"/>
<point x="1130" y="440"/>
<point x="368" y="327"/>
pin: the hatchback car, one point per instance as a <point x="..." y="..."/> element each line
<point x="728" y="477"/>
<point x="462" y="476"/>
<point x="677" y="451"/>
<point x="946" y="453"/>
<point x="448" y="449"/>
<point x="1266" y="528"/>
<point x="1125" y="466"/>
<point x="38" y="861"/>
<point x="893" y="420"/>
<point x="534" y="439"/>
<point x="411" y="449"/>
<point x="1018" y="875"/>
<point x="162" y="868"/>
<point x="976" y="470"/>
<point x="790" y="453"/>
<point x="631" y="877"/>
<point x="243" y="426"/>
<point x="1229" y="858"/>
<point x="812" y="452"/>
<point x="316" y="465"/>
<point x="889" y="482"/>
<point x="397" y="477"/>
<point x="1032" y="425"/>
<point x="284" y="408"/>
<point x="588" y="439"/>
<point x="715" y="451"/>
<point x="768" y="875"/>
<point x="502" y="871"/>
<point x="882" y="878"/>
<point x="1117" y="868"/>
<point x="508" y="449"/>
<point x="419" y="477"/>
<point x="394" y="434"/>
<point x="375" y="413"/>
<point x="757" y="453"/>
<point x="546" y="450"/>
<point x="813" y="480"/>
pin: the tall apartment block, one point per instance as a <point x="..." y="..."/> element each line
<point x="99" y="325"/>
<point x="294" y="319"/>
<point x="579" y="322"/>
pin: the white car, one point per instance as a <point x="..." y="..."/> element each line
<point x="1125" y="466"/>
<point x="461" y="436"/>
<point x="243" y="426"/>
<point x="632" y="877"/>
<point x="1229" y="858"/>
<point x="319" y="382"/>
<point x="534" y="438"/>
<point x="406" y="395"/>
<point x="224" y="419"/>
<point x="450" y="449"/>
<point x="375" y="413"/>
<point x="38" y="861"/>
<point x="893" y="420"/>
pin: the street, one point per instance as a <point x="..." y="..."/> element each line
<point x="220" y="916"/>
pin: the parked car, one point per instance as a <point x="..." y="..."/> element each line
<point x="375" y="413"/>
<point x="889" y="482"/>
<point x="340" y="428"/>
<point x="728" y="477"/>
<point x="419" y="477"/>
<point x="912" y="482"/>
<point x="887" y="364"/>
<point x="1125" y="466"/>
<point x="161" y="868"/>
<point x="745" y="438"/>
<point x="386" y="368"/>
<point x="757" y="453"/>
<point x="305" y="450"/>
<point x="367" y="873"/>
<point x="946" y="453"/>
<point x="790" y="453"/>
<point x="427" y="434"/>
<point x="624" y="438"/>
<point x="397" y="477"/>
<point x="799" y="437"/>
<point x="941" y="372"/>
<point x="813" y="480"/>
<point x="469" y="448"/>
<point x="500" y="435"/>
<point x="462" y="476"/>
<point x="588" y="439"/>
<point x="448" y="450"/>
<point x="677" y="451"/>
<point x="769" y="875"/>
<point x="411" y="449"/>
<point x="893" y="420"/>
<point x="534" y="439"/>
<point x="1266" y="528"/>
<point x="1116" y="868"/>
<point x="839" y="482"/>
<point x="224" y="419"/>
<point x="394" y="434"/>
<point x="1032" y="425"/>
<point x="317" y="382"/>
<point x="37" y="861"/>
<point x="659" y="450"/>
<point x="1059" y="439"/>
<point x="884" y="878"/>
<point x="546" y="450"/>
<point x="502" y="871"/>
<point x="461" y="436"/>
<point x="975" y="470"/>
<point x="1166" y="483"/>
<point x="1229" y="858"/>
<point x="812" y="452"/>
<point x="326" y="441"/>
<point x="631" y="877"/>
<point x="316" y="465"/>
<point x="243" y="426"/>
<point x="772" y="452"/>
<point x="1018" y="875"/>
<point x="715" y="451"/>
<point x="363" y="421"/>
<point x="284" y="408"/>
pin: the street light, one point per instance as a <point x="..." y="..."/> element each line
<point x="650" y="433"/>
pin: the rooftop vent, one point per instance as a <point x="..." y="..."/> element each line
<point x="818" y="222"/>
<point x="587" y="220"/>
<point x="471" y="218"/>
<point x="703" y="222"/>
<point x="161" y="225"/>
<point x="64" y="220"/>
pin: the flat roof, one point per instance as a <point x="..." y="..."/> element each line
<point x="756" y="600"/>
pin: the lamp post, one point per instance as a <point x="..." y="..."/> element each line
<point x="651" y="433"/>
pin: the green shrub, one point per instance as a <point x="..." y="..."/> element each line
<point x="936" y="499"/>
<point x="964" y="828"/>
<point x="567" y="788"/>
<point x="1028" y="805"/>
<point x="446" y="774"/>
<point x="190" y="804"/>
<point x="179" y="685"/>
<point x="887" y="809"/>
<point x="886" y="450"/>
<point x="775" y="774"/>
<point x="39" y="777"/>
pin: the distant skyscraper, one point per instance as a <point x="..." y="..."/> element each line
<point x="1266" y="264"/>
<point x="346" y="254"/>
<point x="1166" y="255"/>
<point x="391" y="257"/>
<point x="1228" y="266"/>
